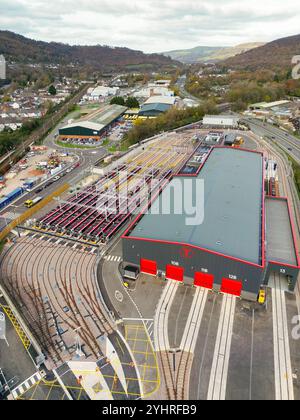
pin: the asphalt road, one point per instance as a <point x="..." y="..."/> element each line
<point x="14" y="359"/>
<point x="285" y="140"/>
<point x="86" y="158"/>
<point x="181" y="85"/>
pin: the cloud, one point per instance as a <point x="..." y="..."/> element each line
<point x="151" y="25"/>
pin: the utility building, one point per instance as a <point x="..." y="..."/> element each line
<point x="221" y="121"/>
<point x="226" y="250"/>
<point x="2" y="67"/>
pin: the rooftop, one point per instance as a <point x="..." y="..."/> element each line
<point x="155" y="107"/>
<point x="233" y="191"/>
<point x="267" y="105"/>
<point x="160" y="99"/>
<point x="105" y="115"/>
<point x="86" y="124"/>
<point x="280" y="241"/>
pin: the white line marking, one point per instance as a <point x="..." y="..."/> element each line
<point x="284" y="389"/>
<point x="219" y="372"/>
<point x="190" y="335"/>
<point x="161" y="337"/>
<point x="23" y="387"/>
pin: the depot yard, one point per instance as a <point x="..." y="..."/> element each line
<point x="98" y="212"/>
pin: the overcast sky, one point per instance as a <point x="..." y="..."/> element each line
<point x="152" y="25"/>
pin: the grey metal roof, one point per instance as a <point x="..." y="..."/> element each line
<point x="85" y="124"/>
<point x="280" y="243"/>
<point x="155" y="107"/>
<point x="232" y="207"/>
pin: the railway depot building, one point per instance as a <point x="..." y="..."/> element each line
<point x="245" y="237"/>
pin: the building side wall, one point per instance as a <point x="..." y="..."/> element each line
<point x="78" y="131"/>
<point x="283" y="270"/>
<point x="194" y="260"/>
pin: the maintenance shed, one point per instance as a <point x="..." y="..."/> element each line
<point x="281" y="246"/>
<point x="154" y="109"/>
<point x="95" y="124"/>
<point x="224" y="249"/>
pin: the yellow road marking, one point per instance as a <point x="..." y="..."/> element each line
<point x="19" y="330"/>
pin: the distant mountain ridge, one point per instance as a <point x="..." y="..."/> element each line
<point x="276" y="54"/>
<point x="21" y="49"/>
<point x="209" y="54"/>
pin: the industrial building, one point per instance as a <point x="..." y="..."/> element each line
<point x="2" y="67"/>
<point x="100" y="92"/>
<point x="153" y="110"/>
<point x="221" y="121"/>
<point x="157" y="105"/>
<point x="94" y="125"/>
<point x="226" y="251"/>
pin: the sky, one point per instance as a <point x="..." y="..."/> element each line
<point x="152" y="25"/>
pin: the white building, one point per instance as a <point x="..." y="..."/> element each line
<point x="2" y="67"/>
<point x="166" y="100"/>
<point x="153" y="90"/>
<point x="222" y="121"/>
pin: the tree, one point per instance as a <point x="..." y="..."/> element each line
<point x="118" y="100"/>
<point x="132" y="102"/>
<point x="52" y="90"/>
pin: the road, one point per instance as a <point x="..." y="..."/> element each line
<point x="287" y="142"/>
<point x="15" y="361"/>
<point x="86" y="158"/>
<point x="183" y="92"/>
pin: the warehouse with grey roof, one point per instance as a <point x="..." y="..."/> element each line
<point x="95" y="124"/>
<point x="221" y="244"/>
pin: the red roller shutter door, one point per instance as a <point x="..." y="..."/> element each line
<point x="204" y="280"/>
<point x="174" y="273"/>
<point x="148" y="267"/>
<point x="232" y="287"/>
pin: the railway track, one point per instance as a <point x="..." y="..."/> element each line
<point x="283" y="371"/>
<point x="161" y="338"/>
<point x="284" y="388"/>
<point x="58" y="294"/>
<point x="89" y="213"/>
<point x="218" y="377"/>
<point x="188" y="343"/>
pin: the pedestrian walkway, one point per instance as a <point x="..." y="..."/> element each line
<point x="113" y="258"/>
<point x="26" y="385"/>
<point x="18" y="328"/>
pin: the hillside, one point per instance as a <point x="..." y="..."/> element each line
<point x="274" y="55"/>
<point x="209" y="54"/>
<point x="24" y="50"/>
<point x="194" y="55"/>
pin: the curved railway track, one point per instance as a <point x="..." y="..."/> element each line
<point x="58" y="295"/>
